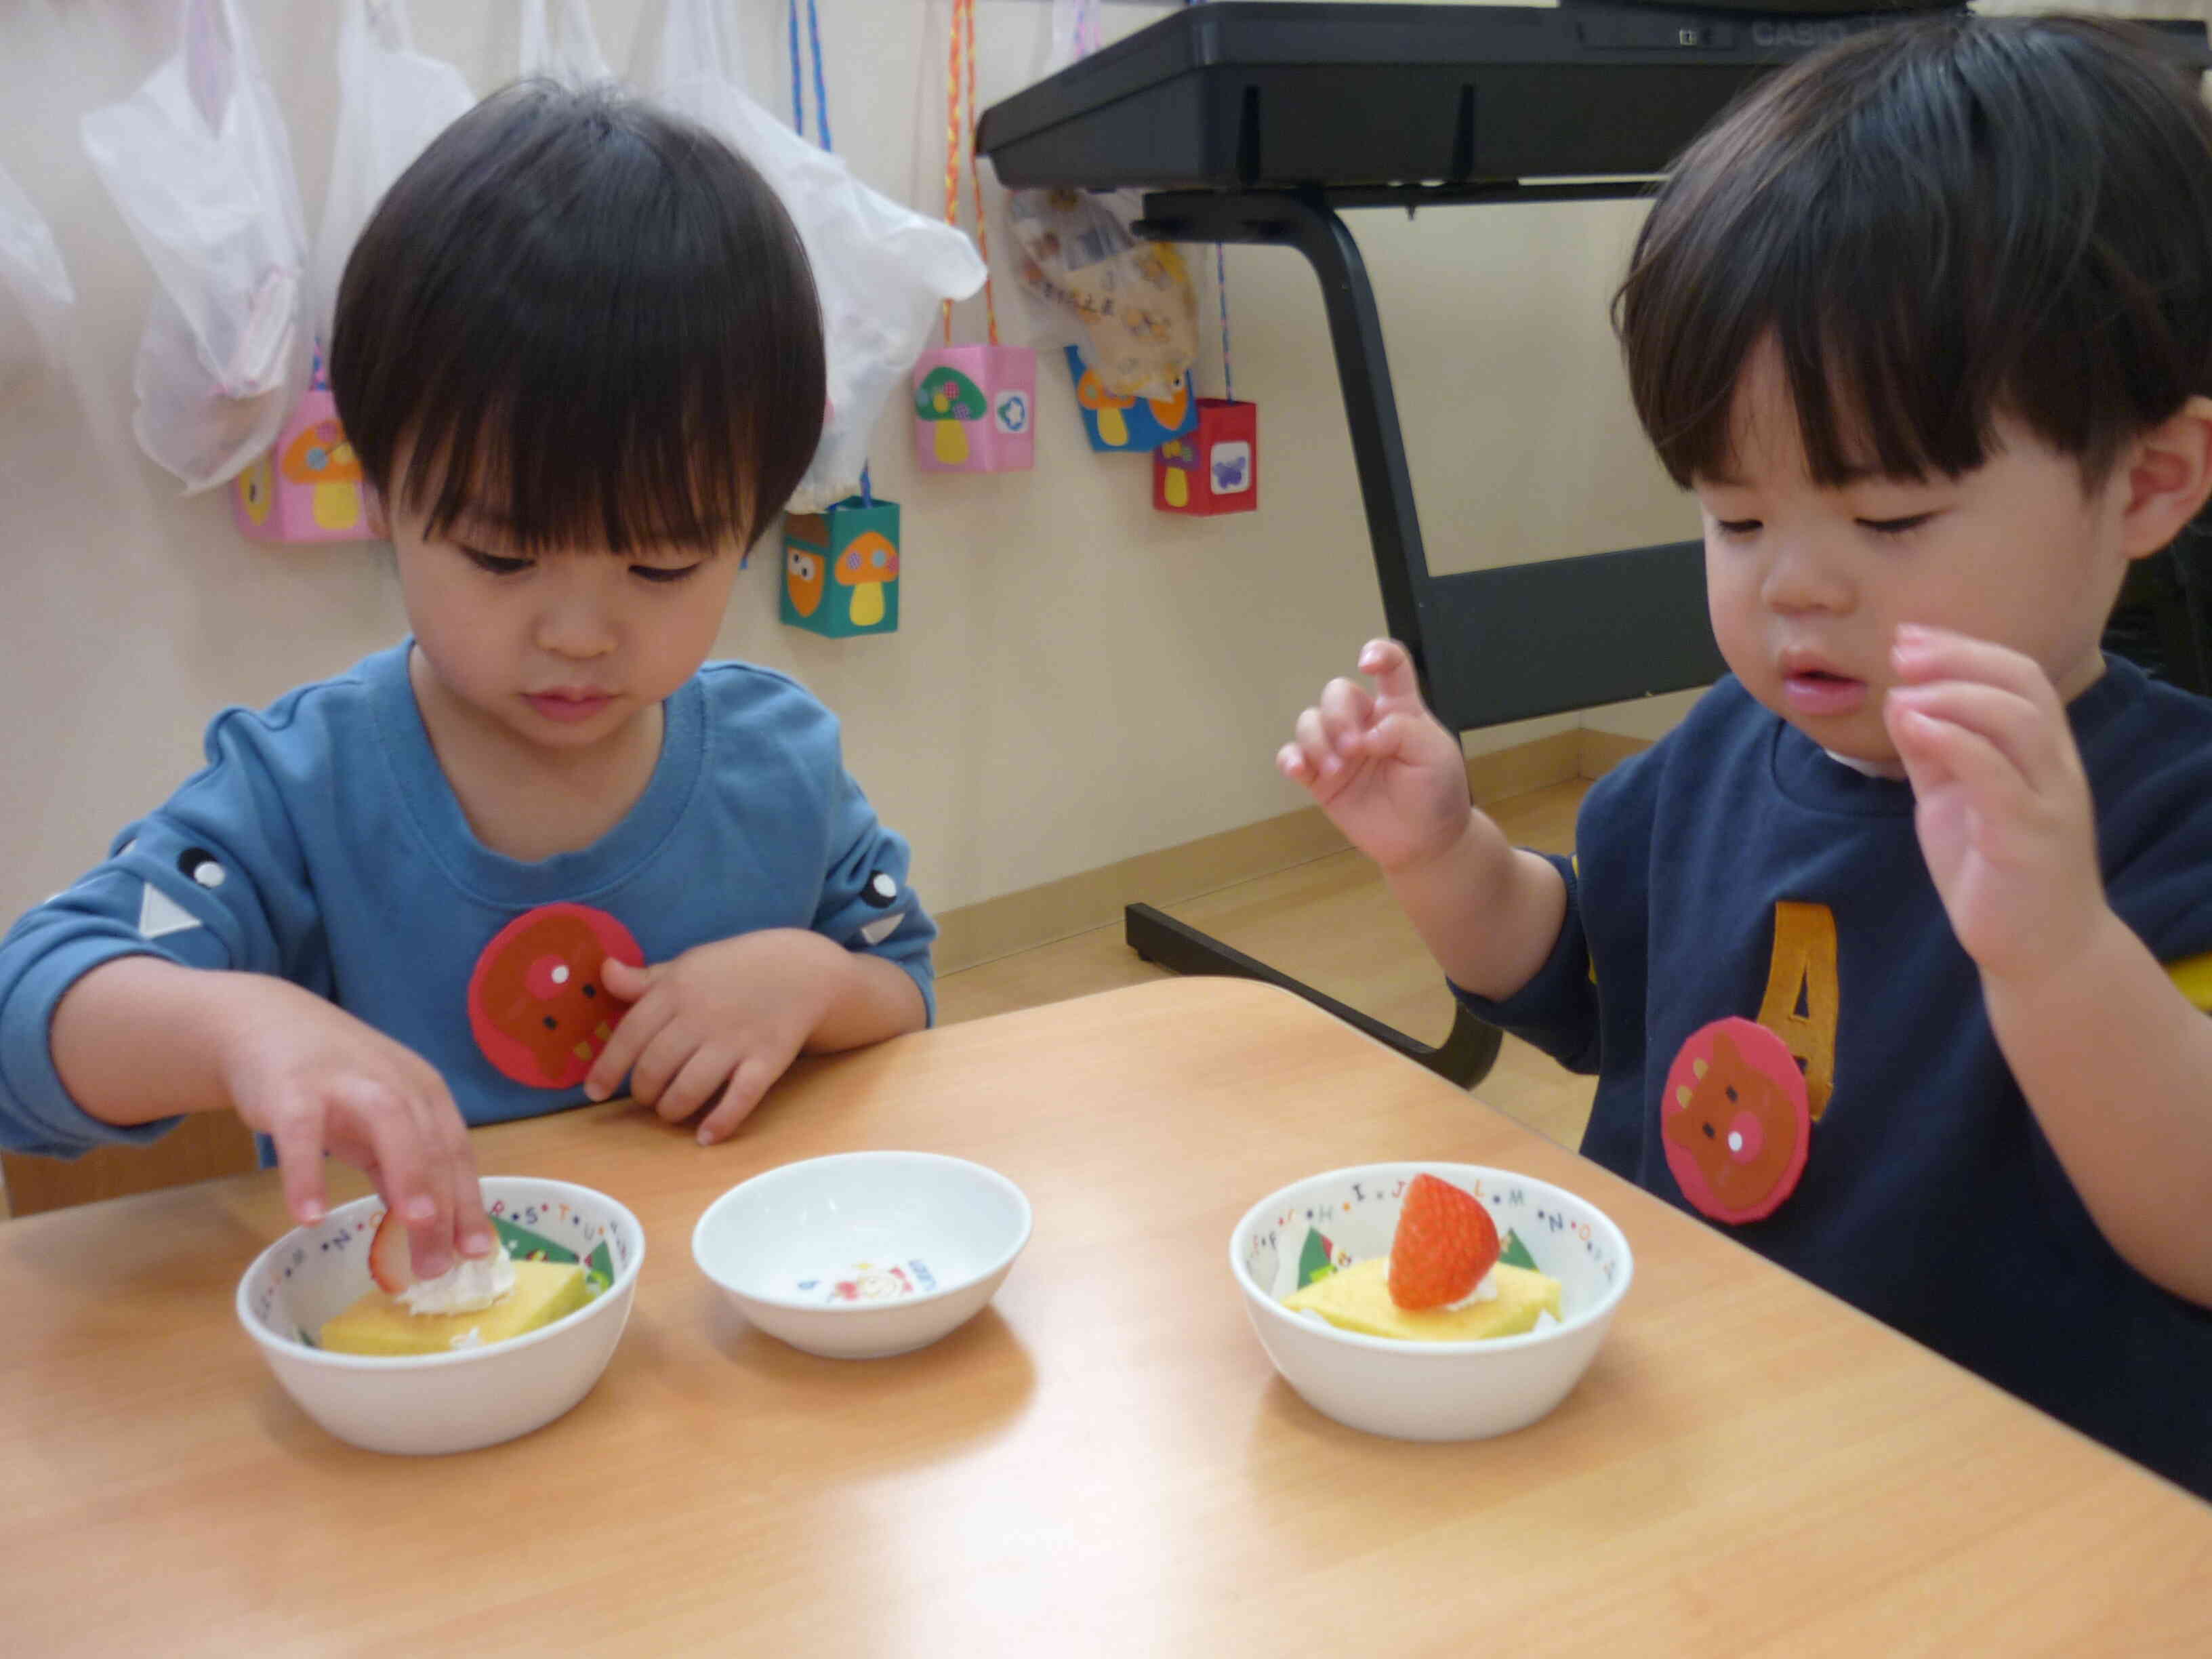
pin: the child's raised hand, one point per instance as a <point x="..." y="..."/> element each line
<point x="723" y="1019"/>
<point x="2003" y="809"/>
<point x="316" y="1080"/>
<point x="1384" y="769"/>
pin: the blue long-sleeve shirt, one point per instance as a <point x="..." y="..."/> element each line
<point x="1722" y="874"/>
<point x="321" y="843"/>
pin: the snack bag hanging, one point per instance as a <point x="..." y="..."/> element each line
<point x="1129" y="303"/>
<point x="840" y="566"/>
<point x="35" y="295"/>
<point x="973" y="406"/>
<point x="881" y="271"/>
<point x="1215" y="467"/>
<point x="197" y="162"/>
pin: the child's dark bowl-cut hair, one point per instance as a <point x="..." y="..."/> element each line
<point x="585" y="323"/>
<point x="1938" y="221"/>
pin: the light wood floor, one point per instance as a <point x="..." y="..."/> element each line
<point x="1331" y="924"/>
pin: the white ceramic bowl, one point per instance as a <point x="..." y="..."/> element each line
<point x="1428" y="1390"/>
<point x="445" y="1403"/>
<point x="863" y="1254"/>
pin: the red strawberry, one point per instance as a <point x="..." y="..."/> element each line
<point x="391" y="1261"/>
<point x="1445" y="1242"/>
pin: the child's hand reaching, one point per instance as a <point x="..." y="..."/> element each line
<point x="1384" y="769"/>
<point x="723" y="1019"/>
<point x="2004" y="814"/>
<point x="316" y="1080"/>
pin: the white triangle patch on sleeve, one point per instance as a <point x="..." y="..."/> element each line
<point x="159" y="914"/>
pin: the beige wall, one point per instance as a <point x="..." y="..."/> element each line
<point x="1078" y="680"/>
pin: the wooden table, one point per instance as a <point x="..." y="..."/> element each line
<point x="1102" y="1462"/>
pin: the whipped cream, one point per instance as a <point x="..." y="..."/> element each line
<point x="1486" y="1289"/>
<point x="470" y="1285"/>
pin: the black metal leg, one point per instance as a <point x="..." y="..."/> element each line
<point x="1465" y="1056"/>
<point x="1394" y="531"/>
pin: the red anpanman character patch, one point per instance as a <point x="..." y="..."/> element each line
<point x="536" y="1003"/>
<point x="1735" y="1120"/>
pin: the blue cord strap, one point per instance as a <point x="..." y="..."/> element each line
<point x="821" y="123"/>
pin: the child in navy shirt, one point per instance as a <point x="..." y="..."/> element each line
<point x="542" y="846"/>
<point x="1893" y="958"/>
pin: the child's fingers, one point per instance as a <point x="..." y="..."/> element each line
<point x="747" y="1085"/>
<point x="2020" y="728"/>
<point x="1939" y="752"/>
<point x="637" y="1027"/>
<point x="1388" y="664"/>
<point x="1347" y="710"/>
<point x="1398" y="735"/>
<point x="400" y="1135"/>
<point x="1324" y="767"/>
<point x="625" y="980"/>
<point x="696" y="1081"/>
<point x="473" y="1229"/>
<point x="1922" y="654"/>
<point x="658" y="1066"/>
<point x="298" y="1138"/>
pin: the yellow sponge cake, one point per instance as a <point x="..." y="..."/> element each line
<point x="380" y="1324"/>
<point x="1357" y="1298"/>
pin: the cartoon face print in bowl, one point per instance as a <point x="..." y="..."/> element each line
<point x="535" y="1004"/>
<point x="1427" y="1390"/>
<point x="471" y="1395"/>
<point x="863" y="1254"/>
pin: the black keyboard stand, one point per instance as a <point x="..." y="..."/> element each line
<point x="1415" y="605"/>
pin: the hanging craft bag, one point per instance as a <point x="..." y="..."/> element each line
<point x="1215" y="467"/>
<point x="841" y="565"/>
<point x="973" y="406"/>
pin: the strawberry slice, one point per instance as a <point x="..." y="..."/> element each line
<point x="391" y="1261"/>
<point x="1445" y="1242"/>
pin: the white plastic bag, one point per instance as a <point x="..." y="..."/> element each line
<point x="561" y="47"/>
<point x="35" y="295"/>
<point x="197" y="161"/>
<point x="882" y="270"/>
<point x="392" y="101"/>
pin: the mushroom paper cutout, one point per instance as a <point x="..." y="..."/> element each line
<point x="308" y="487"/>
<point x="868" y="566"/>
<point x="841" y="569"/>
<point x="1114" y="421"/>
<point x="972" y="407"/>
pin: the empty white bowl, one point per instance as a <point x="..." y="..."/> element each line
<point x="863" y="1254"/>
<point x="1427" y="1390"/>
<point x="471" y="1397"/>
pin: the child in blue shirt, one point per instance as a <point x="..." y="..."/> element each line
<point x="1893" y="958"/>
<point x="542" y="846"/>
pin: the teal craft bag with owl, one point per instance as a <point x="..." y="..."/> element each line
<point x="840" y="566"/>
